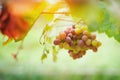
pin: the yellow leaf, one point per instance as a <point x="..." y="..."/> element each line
<point x="44" y="56"/>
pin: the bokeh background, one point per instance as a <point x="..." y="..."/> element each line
<point x="102" y="65"/>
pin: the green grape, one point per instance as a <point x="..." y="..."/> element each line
<point x="99" y="43"/>
<point x="75" y="51"/>
<point x="94" y="43"/>
<point x="84" y="27"/>
<point x="77" y="26"/>
<point x="66" y="45"/>
<point x="61" y="45"/>
<point x="78" y="31"/>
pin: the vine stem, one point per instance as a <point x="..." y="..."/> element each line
<point x="55" y="13"/>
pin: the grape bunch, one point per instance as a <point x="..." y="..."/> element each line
<point x="77" y="40"/>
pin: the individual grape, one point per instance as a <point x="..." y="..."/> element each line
<point x="68" y="39"/>
<point x="86" y="33"/>
<point x="78" y="31"/>
<point x="56" y="42"/>
<point x="72" y="31"/>
<point x="71" y="43"/>
<point x="88" y="42"/>
<point x="99" y="43"/>
<point x="73" y="26"/>
<point x="62" y="35"/>
<point x="81" y="43"/>
<point x="83" y="52"/>
<point x="66" y="45"/>
<point x="70" y="35"/>
<point x="78" y="48"/>
<point x="61" y="45"/>
<point x="75" y="51"/>
<point x="57" y="37"/>
<point x="66" y="31"/>
<point x="77" y="26"/>
<point x="69" y="51"/>
<point x="78" y="55"/>
<point x="93" y="36"/>
<point x="84" y="38"/>
<point x="94" y="49"/>
<point x="94" y="43"/>
<point x="84" y="27"/>
<point x="74" y="37"/>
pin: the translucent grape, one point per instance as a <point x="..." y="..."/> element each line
<point x="66" y="32"/>
<point x="72" y="31"/>
<point x="56" y="42"/>
<point x="61" y="45"/>
<point x="71" y="43"/>
<point x="99" y="43"/>
<point x="68" y="39"/>
<point x="70" y="35"/>
<point x="85" y="32"/>
<point x="88" y="42"/>
<point x="93" y="36"/>
<point x="81" y="43"/>
<point x="84" y="38"/>
<point x="84" y="27"/>
<point x="94" y="49"/>
<point x="62" y="35"/>
<point x="74" y="37"/>
<point x="66" y="45"/>
<point x="94" y="43"/>
<point x="78" y="31"/>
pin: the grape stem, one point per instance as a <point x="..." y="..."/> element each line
<point x="57" y="19"/>
<point x="55" y="13"/>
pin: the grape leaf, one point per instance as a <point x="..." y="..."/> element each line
<point x="98" y="17"/>
<point x="17" y="20"/>
<point x="109" y="25"/>
<point x="44" y="56"/>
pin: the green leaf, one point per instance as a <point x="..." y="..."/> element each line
<point x="44" y="56"/>
<point x="98" y="18"/>
<point x="109" y="25"/>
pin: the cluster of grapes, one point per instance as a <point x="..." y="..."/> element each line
<point x="77" y="40"/>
